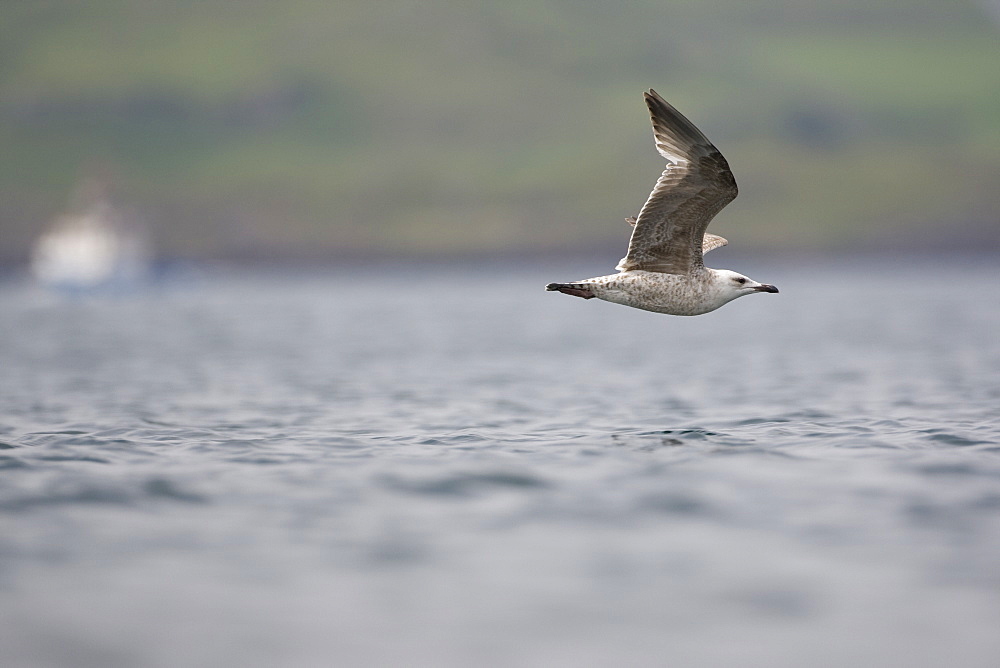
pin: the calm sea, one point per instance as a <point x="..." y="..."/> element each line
<point x="407" y="465"/>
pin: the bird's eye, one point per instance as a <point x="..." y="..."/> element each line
<point x="740" y="280"/>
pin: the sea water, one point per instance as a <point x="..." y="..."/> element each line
<point x="447" y="466"/>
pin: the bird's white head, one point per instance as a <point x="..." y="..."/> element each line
<point x="729" y="285"/>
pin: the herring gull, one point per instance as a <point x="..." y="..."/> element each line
<point x="664" y="270"/>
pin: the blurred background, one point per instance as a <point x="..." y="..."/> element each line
<point x="318" y="130"/>
<point x="350" y="428"/>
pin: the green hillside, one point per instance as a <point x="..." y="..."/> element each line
<point x="312" y="128"/>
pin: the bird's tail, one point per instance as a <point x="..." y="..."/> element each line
<point x="575" y="289"/>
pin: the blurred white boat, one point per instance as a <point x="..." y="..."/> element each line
<point x="98" y="247"/>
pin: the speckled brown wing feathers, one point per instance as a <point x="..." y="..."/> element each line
<point x="669" y="232"/>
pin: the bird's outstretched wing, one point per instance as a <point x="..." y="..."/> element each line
<point x="709" y="242"/>
<point x="669" y="235"/>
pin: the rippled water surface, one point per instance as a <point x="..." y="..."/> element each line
<point x="451" y="467"/>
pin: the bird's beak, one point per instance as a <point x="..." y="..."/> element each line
<point x="766" y="288"/>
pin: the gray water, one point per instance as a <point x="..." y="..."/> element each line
<point x="451" y="467"/>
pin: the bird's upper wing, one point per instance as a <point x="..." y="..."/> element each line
<point x="709" y="242"/>
<point x="697" y="184"/>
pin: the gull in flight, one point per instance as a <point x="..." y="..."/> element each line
<point x="664" y="269"/>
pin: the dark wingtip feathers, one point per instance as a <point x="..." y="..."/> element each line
<point x="671" y="124"/>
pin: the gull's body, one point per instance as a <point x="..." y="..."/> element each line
<point x="664" y="269"/>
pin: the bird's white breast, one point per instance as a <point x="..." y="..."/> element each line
<point x="675" y="294"/>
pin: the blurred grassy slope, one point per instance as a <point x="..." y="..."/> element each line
<point x="302" y="128"/>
